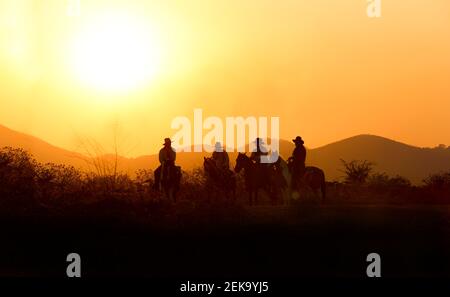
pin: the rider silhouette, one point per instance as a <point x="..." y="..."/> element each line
<point x="167" y="156"/>
<point x="261" y="150"/>
<point x="297" y="160"/>
<point x="220" y="157"/>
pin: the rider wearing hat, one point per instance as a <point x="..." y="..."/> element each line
<point x="261" y="150"/>
<point x="167" y="156"/>
<point x="298" y="158"/>
<point x="220" y="157"/>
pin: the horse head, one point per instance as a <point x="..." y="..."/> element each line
<point x="208" y="164"/>
<point x="242" y="162"/>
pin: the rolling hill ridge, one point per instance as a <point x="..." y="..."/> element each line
<point x="389" y="156"/>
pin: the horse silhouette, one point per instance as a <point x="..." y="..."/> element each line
<point x="257" y="177"/>
<point x="313" y="178"/>
<point x="223" y="180"/>
<point x="170" y="180"/>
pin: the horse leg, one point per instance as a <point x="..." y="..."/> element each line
<point x="166" y="193"/>
<point x="271" y="194"/>
<point x="226" y="193"/>
<point x="254" y="196"/>
<point x="275" y="194"/>
<point x="231" y="194"/>
<point x="174" y="195"/>
<point x="233" y="189"/>
<point x="275" y="197"/>
<point x="286" y="196"/>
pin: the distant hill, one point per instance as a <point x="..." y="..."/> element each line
<point x="389" y="156"/>
<point x="41" y="150"/>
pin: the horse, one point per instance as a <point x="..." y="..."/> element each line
<point x="170" y="180"/>
<point x="313" y="178"/>
<point x="224" y="180"/>
<point x="258" y="176"/>
<point x="280" y="181"/>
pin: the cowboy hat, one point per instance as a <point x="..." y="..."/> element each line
<point x="298" y="139"/>
<point x="167" y="141"/>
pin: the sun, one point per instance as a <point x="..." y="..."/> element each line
<point x="115" y="53"/>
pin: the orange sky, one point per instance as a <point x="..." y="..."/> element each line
<point x="325" y="68"/>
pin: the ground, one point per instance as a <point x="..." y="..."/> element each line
<point x="305" y="240"/>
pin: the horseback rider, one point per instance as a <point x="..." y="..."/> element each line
<point x="220" y="157"/>
<point x="261" y="150"/>
<point x="255" y="157"/>
<point x="167" y="156"/>
<point x="297" y="160"/>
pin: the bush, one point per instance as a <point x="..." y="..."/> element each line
<point x="193" y="184"/>
<point x="58" y="182"/>
<point x="382" y="180"/>
<point x="357" y="171"/>
<point x="438" y="181"/>
<point x="25" y="184"/>
<point x="17" y="176"/>
<point x="144" y="176"/>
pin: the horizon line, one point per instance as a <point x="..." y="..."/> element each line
<point x="229" y="150"/>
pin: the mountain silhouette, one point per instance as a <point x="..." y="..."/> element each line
<point x="389" y="156"/>
<point x="43" y="151"/>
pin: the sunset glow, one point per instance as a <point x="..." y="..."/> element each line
<point x="115" y="53"/>
<point x="325" y="68"/>
<point x="225" y="147"/>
